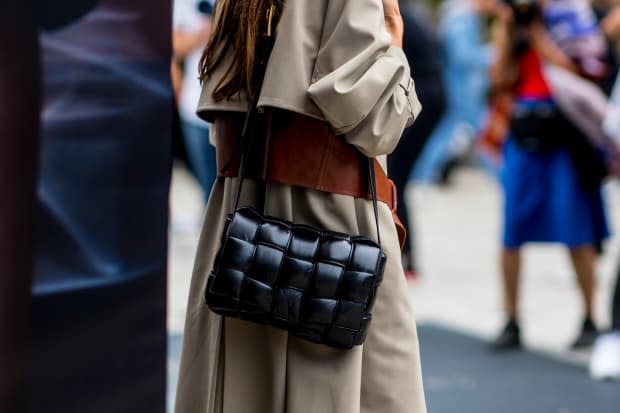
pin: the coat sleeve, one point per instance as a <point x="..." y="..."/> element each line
<point x="361" y="82"/>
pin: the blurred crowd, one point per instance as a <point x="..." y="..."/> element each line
<point x="525" y="89"/>
<point x="528" y="96"/>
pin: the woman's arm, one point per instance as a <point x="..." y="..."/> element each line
<point x="503" y="71"/>
<point x="361" y="81"/>
<point x="394" y="21"/>
<point x="185" y="42"/>
<point x="611" y="24"/>
<point x="548" y="50"/>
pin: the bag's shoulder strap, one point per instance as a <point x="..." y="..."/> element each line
<point x="372" y="182"/>
<point x="263" y="51"/>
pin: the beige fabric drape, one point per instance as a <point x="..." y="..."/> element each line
<point x="332" y="60"/>
<point x="233" y="366"/>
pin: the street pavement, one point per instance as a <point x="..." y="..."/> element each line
<point x="457" y="303"/>
<point x="462" y="376"/>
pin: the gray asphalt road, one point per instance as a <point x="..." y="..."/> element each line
<point x="462" y="375"/>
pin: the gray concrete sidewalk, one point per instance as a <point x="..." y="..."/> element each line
<point x="458" y="243"/>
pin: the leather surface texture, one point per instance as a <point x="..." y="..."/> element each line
<point x="319" y="285"/>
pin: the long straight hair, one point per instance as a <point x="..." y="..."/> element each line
<point x="237" y="24"/>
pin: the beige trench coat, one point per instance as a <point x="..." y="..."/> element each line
<point x="333" y="60"/>
<point x="353" y="78"/>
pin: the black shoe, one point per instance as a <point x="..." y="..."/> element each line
<point x="587" y="336"/>
<point x="447" y="172"/>
<point x="510" y="337"/>
<point x="410" y="271"/>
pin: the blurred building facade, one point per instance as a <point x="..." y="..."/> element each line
<point x="98" y="326"/>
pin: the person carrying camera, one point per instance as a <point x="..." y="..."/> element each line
<point x="551" y="193"/>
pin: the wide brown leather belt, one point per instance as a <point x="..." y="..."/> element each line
<point x="302" y="151"/>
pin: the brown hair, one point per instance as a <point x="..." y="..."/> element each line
<point x="238" y="24"/>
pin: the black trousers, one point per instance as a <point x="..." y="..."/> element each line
<point x="402" y="160"/>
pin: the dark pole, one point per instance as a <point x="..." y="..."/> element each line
<point x="19" y="128"/>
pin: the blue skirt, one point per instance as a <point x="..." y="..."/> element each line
<point x="545" y="202"/>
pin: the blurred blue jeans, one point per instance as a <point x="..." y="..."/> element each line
<point x="201" y="154"/>
<point x="438" y="150"/>
<point x="466" y="61"/>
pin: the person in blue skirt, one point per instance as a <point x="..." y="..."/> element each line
<point x="551" y="177"/>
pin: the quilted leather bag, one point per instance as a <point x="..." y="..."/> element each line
<point x="316" y="284"/>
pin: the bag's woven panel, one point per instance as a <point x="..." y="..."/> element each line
<point x="319" y="285"/>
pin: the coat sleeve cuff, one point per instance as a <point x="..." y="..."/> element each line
<point x="408" y="86"/>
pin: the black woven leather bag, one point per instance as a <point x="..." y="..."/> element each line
<point x="317" y="284"/>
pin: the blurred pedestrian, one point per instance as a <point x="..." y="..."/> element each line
<point x="549" y="163"/>
<point x="602" y="9"/>
<point x="337" y="80"/>
<point x="423" y="54"/>
<point x="466" y="59"/>
<point x="605" y="359"/>
<point x="192" y="28"/>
